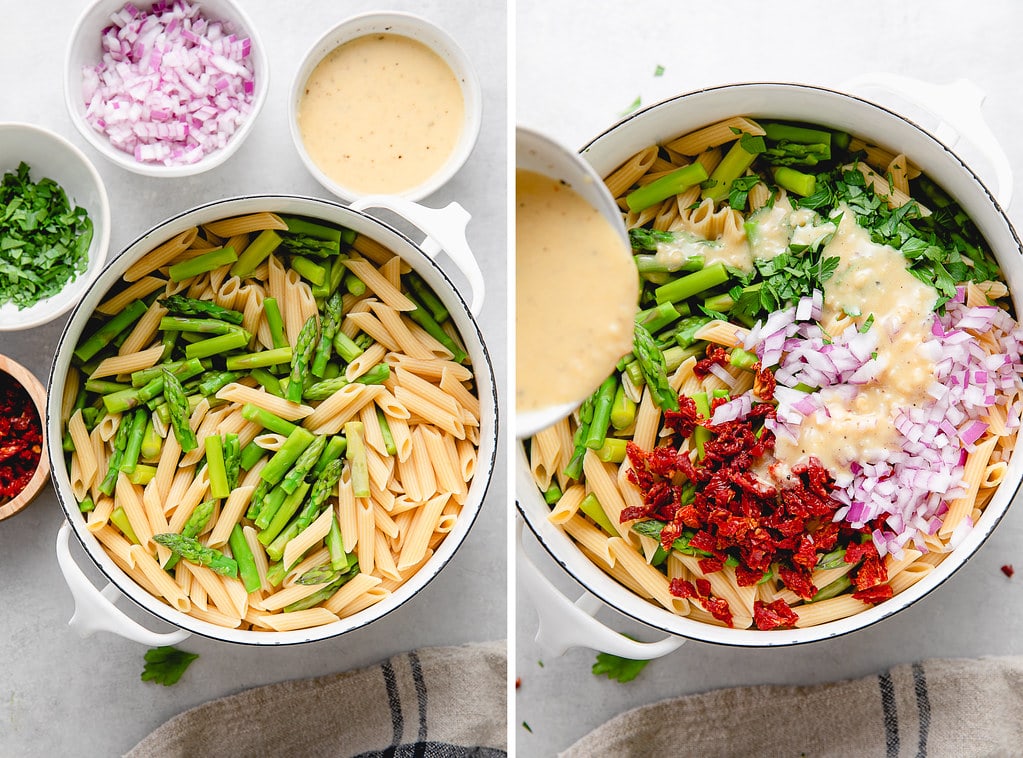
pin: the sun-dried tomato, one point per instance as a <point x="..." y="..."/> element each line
<point x="876" y="594"/>
<point x="700" y="592"/>
<point x="710" y="565"/>
<point x="1008" y="570"/>
<point x="871" y="573"/>
<point x="736" y="514"/>
<point x="798" y="580"/>
<point x="682" y="588"/>
<point x="764" y="382"/>
<point x="21" y="441"/>
<point x="773" y="615"/>
<point x="716" y="354"/>
<point x="682" y="421"/>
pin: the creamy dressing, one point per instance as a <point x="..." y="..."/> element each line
<point x="381" y="113"/>
<point x="683" y="247"/>
<point x="576" y="292"/>
<point x="870" y="279"/>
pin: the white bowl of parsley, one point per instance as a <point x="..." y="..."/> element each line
<point x="54" y="225"/>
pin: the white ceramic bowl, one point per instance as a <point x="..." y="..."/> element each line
<point x="93" y="608"/>
<point x="50" y="155"/>
<point x="84" y="50"/>
<point x="796" y="102"/>
<point x="420" y="30"/>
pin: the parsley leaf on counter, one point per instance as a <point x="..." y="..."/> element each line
<point x="616" y="667"/>
<point x="44" y="243"/>
<point x="165" y="665"/>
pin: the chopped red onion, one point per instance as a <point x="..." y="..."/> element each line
<point x="172" y="86"/>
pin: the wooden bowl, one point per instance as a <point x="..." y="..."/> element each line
<point x="27" y="379"/>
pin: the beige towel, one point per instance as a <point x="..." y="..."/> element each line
<point x="447" y="701"/>
<point x="934" y="709"/>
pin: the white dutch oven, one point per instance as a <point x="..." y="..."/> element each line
<point x="565" y="624"/>
<point x="445" y="228"/>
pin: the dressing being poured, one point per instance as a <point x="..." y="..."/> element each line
<point x="576" y="294"/>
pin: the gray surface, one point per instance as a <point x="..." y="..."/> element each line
<point x="62" y="695"/>
<point x="577" y="70"/>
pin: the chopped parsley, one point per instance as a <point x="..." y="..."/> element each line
<point x="44" y="242"/>
<point x="943" y="248"/>
<point x="738" y="192"/>
<point x="635" y="104"/>
<point x="659" y="71"/>
<point x="780" y="281"/>
<point x="165" y="665"/>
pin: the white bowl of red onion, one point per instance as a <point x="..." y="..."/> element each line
<point x="166" y="89"/>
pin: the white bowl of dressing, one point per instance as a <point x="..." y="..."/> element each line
<point x="576" y="287"/>
<point x="385" y="103"/>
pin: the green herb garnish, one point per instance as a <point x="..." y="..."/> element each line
<point x="165" y="665"/>
<point x="616" y="667"/>
<point x="44" y="242"/>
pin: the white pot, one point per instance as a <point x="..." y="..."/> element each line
<point x="564" y="624"/>
<point x="94" y="608"/>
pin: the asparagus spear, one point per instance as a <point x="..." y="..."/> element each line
<point x="220" y="344"/>
<point x="267" y="420"/>
<point x="305" y="343"/>
<point x="213" y="383"/>
<point x="181" y="369"/>
<point x="215" y="468"/>
<point x="276" y="324"/>
<point x="623" y="410"/>
<point x="283" y="514"/>
<point x="303" y="464"/>
<point x="120" y="440"/>
<point x="179" y="305"/>
<point x="120" y="519"/>
<point x="426" y="296"/>
<point x="192" y="550"/>
<point x="346" y="347"/>
<point x="198" y="520"/>
<point x="133" y="446"/>
<point x="259" y="359"/>
<point x="334" y="449"/>
<point x="320" y="595"/>
<point x="324" y="574"/>
<point x="574" y="469"/>
<point x="324" y="389"/>
<point x="242" y="553"/>
<point x="321" y="490"/>
<point x="126" y="399"/>
<point x="110" y="330"/>
<point x="328" y="328"/>
<point x="603" y="400"/>
<point x="177" y="403"/>
<point x="200" y="325"/>
<point x="264" y="244"/>
<point x="335" y="546"/>
<point x="286" y="456"/>
<point x="651" y="361"/>
<point x="202" y="263"/>
<point x="232" y="459"/>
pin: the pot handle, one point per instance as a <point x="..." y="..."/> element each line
<point x="444" y="229"/>
<point x="95" y="610"/>
<point x="564" y="624"/>
<point x="957" y="107"/>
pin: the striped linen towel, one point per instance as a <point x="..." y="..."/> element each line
<point x="934" y="709"/>
<point x="445" y="702"/>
